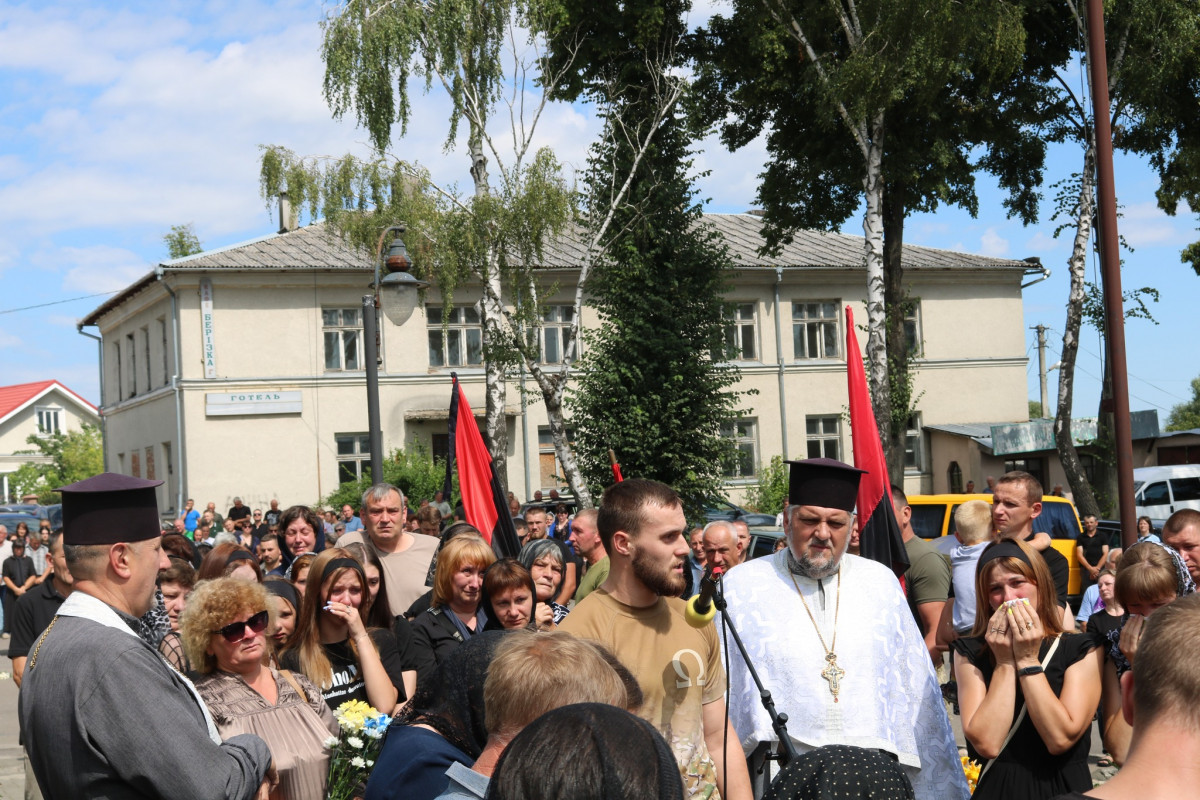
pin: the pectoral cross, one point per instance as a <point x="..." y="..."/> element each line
<point x="833" y="674"/>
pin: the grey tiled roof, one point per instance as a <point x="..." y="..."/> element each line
<point x="317" y="247"/>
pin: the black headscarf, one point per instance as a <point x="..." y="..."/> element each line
<point x="841" y="772"/>
<point x="587" y="751"/>
<point x="452" y="703"/>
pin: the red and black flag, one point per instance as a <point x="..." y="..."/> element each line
<point x="880" y="539"/>
<point x="483" y="495"/>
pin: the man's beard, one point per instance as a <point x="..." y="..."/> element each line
<point x="815" y="570"/>
<point x="657" y="578"/>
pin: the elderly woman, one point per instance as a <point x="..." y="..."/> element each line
<point x="333" y="645"/>
<point x="1150" y="576"/>
<point x="509" y="596"/>
<point x="224" y="629"/>
<point x="175" y="583"/>
<point x="302" y="531"/>
<point x="456" y="611"/>
<point x="1027" y="690"/>
<point x="544" y="560"/>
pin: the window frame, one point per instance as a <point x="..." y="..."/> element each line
<point x="345" y="333"/>
<point x="743" y="433"/>
<point x="914" y="430"/>
<point x="56" y="411"/>
<point x="822" y="338"/>
<point x="562" y="326"/>
<point x="458" y="327"/>
<point x="360" y="458"/>
<point x="734" y="331"/>
<point x="823" y="437"/>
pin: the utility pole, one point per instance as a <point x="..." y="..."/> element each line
<point x="1041" y="332"/>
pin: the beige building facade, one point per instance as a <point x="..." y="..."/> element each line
<point x="41" y="408"/>
<point x="239" y="372"/>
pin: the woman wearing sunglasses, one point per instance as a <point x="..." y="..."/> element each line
<point x="333" y="645"/>
<point x="224" y="632"/>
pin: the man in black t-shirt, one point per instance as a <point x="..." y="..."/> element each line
<point x="1016" y="503"/>
<point x="1091" y="551"/>
<point x="238" y="511"/>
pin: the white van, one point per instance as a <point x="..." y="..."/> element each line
<point x="1161" y="491"/>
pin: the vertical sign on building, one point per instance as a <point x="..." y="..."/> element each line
<point x="206" y="327"/>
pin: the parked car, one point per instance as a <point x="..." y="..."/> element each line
<point x="721" y="509"/>
<point x="1161" y="491"/>
<point x="933" y="516"/>
<point x="9" y="519"/>
<point x="762" y="541"/>
<point x="27" y="508"/>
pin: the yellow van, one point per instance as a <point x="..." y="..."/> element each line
<point x="933" y="518"/>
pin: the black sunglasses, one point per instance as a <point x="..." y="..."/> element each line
<point x="234" y="632"/>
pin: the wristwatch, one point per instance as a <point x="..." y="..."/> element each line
<point x="1036" y="669"/>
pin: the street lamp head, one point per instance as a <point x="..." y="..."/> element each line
<point x="399" y="294"/>
<point x="397" y="256"/>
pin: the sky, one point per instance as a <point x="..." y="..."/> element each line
<point x="121" y="119"/>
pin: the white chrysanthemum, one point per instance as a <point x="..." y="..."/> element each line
<point x="354" y="742"/>
<point x="331" y="742"/>
<point x="358" y="762"/>
<point x="370" y="763"/>
<point x="373" y="733"/>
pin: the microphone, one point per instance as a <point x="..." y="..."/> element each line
<point x="700" y="609"/>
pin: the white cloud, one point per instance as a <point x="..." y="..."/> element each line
<point x="9" y="341"/>
<point x="992" y="243"/>
<point x="100" y="268"/>
<point x="1146" y="225"/>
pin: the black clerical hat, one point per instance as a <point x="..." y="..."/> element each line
<point x="109" y="508"/>
<point x="823" y="482"/>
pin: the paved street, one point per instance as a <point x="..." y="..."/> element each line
<point x="12" y="772"/>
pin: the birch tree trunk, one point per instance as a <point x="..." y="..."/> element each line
<point x="1081" y="490"/>
<point x="877" y="366"/>
<point x="492" y="317"/>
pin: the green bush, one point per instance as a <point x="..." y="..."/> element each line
<point x="768" y="496"/>
<point x="418" y="474"/>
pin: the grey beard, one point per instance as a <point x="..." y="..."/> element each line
<point x="806" y="569"/>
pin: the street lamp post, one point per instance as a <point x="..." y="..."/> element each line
<point x="395" y="290"/>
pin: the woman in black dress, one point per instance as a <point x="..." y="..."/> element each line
<point x="1020" y="667"/>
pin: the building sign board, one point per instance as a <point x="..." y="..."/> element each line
<point x="206" y="328"/>
<point x="255" y="403"/>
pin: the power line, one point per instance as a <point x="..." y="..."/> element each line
<point x="58" y="302"/>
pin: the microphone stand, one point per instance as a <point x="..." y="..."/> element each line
<point x="787" y="750"/>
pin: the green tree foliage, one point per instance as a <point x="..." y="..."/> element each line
<point x="1186" y="416"/>
<point x="886" y="101"/>
<point x="182" y="241"/>
<point x="73" y="455"/>
<point x="772" y="488"/>
<point x="649" y="388"/>
<point x="417" y="473"/>
<point x="1035" y="409"/>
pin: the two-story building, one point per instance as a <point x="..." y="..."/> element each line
<point x="239" y="371"/>
<point x="40" y="408"/>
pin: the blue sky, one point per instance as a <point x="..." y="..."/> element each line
<point x="118" y="120"/>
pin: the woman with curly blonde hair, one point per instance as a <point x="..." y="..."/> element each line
<point x="224" y="634"/>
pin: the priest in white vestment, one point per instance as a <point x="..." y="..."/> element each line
<point x="834" y="641"/>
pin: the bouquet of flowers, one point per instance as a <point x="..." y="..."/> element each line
<point x="354" y="749"/>
<point x="971" y="770"/>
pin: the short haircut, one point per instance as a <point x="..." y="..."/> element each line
<point x="587" y="513"/>
<point x="378" y="493"/>
<point x="533" y="673"/>
<point x="1088" y="515"/>
<point x="722" y="525"/>
<point x="210" y="607"/>
<point x="270" y="536"/>
<point x="429" y="514"/>
<point x="85" y="561"/>
<point x="520" y="524"/>
<point x="623" y="506"/>
<point x="534" y="510"/>
<point x="503" y="576"/>
<point x="973" y="521"/>
<point x="1146" y="574"/>
<point x="1178" y="521"/>
<point x="899" y="498"/>
<point x="180" y="573"/>
<point x="1166" y="680"/>
<point x="1032" y="486"/>
<point x="1048" y="610"/>
<point x="463" y="549"/>
<point x="54" y="537"/>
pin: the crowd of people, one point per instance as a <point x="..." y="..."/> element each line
<point x="188" y="664"/>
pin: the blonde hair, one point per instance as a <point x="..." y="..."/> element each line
<point x="1166" y="681"/>
<point x="463" y="549"/>
<point x="212" y="605"/>
<point x="1146" y="574"/>
<point x="533" y="673"/>
<point x="973" y="521"/>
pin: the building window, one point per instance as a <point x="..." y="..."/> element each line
<point x="954" y="476"/>
<point x="914" y="447"/>
<point x="824" y="436"/>
<point x="555" y="334"/>
<point x="162" y="335"/>
<point x="353" y="456"/>
<point x="815" y="330"/>
<point x="117" y="365"/>
<point x="146" y="357"/>
<point x="455" y="338"/>
<point x="48" y="420"/>
<point x="741" y="333"/>
<point x="1088" y="462"/>
<point x="550" y="471"/>
<point x="743" y="463"/>
<point x="131" y="352"/>
<point x="343" y="338"/>
<point x="1034" y="466"/>
<point x="912" y="327"/>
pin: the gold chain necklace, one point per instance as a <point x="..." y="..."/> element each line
<point x="38" y="648"/>
<point x="832" y="673"/>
